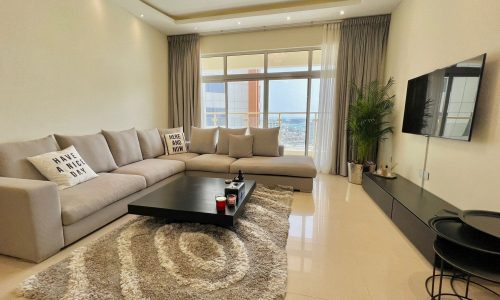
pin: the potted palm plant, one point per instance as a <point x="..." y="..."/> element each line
<point x="367" y="124"/>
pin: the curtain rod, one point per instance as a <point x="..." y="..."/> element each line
<point x="266" y="28"/>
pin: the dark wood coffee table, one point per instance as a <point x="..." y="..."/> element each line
<point x="191" y="199"/>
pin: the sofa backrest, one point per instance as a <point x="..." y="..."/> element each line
<point x="13" y="162"/>
<point x="93" y="148"/>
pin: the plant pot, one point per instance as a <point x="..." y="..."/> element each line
<point x="355" y="173"/>
<point x="370" y="167"/>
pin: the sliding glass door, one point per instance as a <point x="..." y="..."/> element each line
<point x="265" y="89"/>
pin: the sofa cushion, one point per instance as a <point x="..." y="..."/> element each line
<point x="240" y="146"/>
<point x="265" y="141"/>
<point x="154" y="170"/>
<point x="93" y="148"/>
<point x="180" y="157"/>
<point x="164" y="131"/>
<point x="223" y="142"/>
<point x="297" y="166"/>
<point x="176" y="143"/>
<point x="13" y="162"/>
<point x="203" y="140"/>
<point x="210" y="163"/>
<point x="124" y="146"/>
<point x="151" y="143"/>
<point x="88" y="197"/>
<point x="65" y="167"/>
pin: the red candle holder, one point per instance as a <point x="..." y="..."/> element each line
<point x="220" y="203"/>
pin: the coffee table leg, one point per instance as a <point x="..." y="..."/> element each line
<point x="441" y="279"/>
<point x="433" y="277"/>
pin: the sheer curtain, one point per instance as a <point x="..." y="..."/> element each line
<point x="325" y="136"/>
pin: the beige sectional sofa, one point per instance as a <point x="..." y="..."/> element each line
<point x="37" y="219"/>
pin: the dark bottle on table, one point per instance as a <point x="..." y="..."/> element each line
<point x="239" y="178"/>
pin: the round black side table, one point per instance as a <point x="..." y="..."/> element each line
<point x="469" y="252"/>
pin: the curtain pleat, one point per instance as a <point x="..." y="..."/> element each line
<point x="361" y="59"/>
<point x="184" y="82"/>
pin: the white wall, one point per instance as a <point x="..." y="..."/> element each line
<point x="293" y="37"/>
<point x="426" y="35"/>
<point x="76" y="66"/>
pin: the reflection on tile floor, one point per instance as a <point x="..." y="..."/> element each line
<point x="340" y="246"/>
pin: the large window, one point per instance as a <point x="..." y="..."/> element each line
<point x="265" y="89"/>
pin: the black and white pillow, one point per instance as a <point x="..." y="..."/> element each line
<point x="65" y="167"/>
<point x="176" y="143"/>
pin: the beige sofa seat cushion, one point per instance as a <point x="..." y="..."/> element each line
<point x="203" y="140"/>
<point x="86" y="198"/>
<point x="154" y="170"/>
<point x="93" y="148"/>
<point x="210" y="163"/>
<point x="13" y="162"/>
<point x="223" y="142"/>
<point x="180" y="157"/>
<point x="124" y="146"/>
<point x="151" y="143"/>
<point x="265" y="141"/>
<point x="297" y="166"/>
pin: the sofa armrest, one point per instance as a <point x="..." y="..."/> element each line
<point x="30" y="219"/>
<point x="281" y="150"/>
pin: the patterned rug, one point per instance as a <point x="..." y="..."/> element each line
<point x="148" y="258"/>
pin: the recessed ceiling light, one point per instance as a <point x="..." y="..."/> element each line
<point x="288" y="18"/>
<point x="196" y="28"/>
<point x="342" y="12"/>
<point x="239" y="22"/>
<point x="142" y="15"/>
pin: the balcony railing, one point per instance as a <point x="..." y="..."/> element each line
<point x="293" y="127"/>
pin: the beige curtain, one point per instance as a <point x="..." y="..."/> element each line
<point x="361" y="59"/>
<point x="184" y="82"/>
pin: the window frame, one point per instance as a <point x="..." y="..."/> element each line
<point x="266" y="76"/>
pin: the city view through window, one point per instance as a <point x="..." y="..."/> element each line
<point x="266" y="89"/>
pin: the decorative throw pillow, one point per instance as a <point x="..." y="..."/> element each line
<point x="224" y="133"/>
<point x="65" y="167"/>
<point x="164" y="131"/>
<point x="265" y="141"/>
<point x="124" y="146"/>
<point x="93" y="148"/>
<point x="176" y="143"/>
<point x="240" y="146"/>
<point x="203" y="141"/>
<point x="151" y="143"/>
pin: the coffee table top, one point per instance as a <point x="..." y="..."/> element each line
<point x="191" y="199"/>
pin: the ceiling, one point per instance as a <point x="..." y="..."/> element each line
<point x="219" y="16"/>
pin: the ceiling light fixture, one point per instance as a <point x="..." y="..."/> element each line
<point x="288" y="18"/>
<point x="239" y="22"/>
<point x="196" y="28"/>
<point x="142" y="15"/>
<point x="342" y="12"/>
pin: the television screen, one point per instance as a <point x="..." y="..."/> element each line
<point x="442" y="103"/>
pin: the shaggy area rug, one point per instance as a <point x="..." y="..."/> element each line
<point x="148" y="258"/>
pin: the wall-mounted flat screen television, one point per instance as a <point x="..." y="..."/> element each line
<point x="442" y="103"/>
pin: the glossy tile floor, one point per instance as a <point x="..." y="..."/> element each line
<point x="341" y="246"/>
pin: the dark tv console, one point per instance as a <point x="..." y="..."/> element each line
<point x="410" y="207"/>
